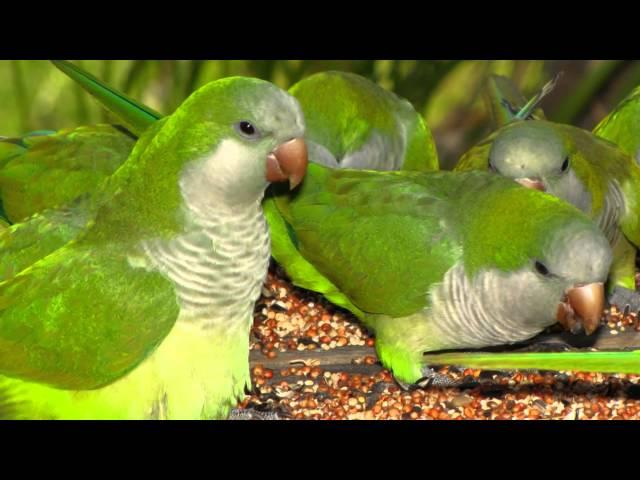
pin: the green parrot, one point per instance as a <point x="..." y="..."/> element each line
<point x="430" y="261"/>
<point x="579" y="167"/>
<point x="136" y="301"/>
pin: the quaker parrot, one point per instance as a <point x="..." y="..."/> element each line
<point x="136" y="301"/>
<point x="580" y="167"/>
<point x="442" y="260"/>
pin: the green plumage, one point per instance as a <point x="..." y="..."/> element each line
<point x="607" y="185"/>
<point x="137" y="116"/>
<point x="380" y="242"/>
<point x="622" y="125"/>
<point x="52" y="169"/>
<point x="93" y="317"/>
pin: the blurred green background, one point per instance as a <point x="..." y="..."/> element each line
<point x="35" y="95"/>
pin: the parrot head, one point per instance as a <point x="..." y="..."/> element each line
<point x="548" y="261"/>
<point x="237" y="129"/>
<point x="550" y="157"/>
<point x="531" y="152"/>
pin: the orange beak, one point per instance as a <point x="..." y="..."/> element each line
<point x="288" y="162"/>
<point x="582" y="308"/>
<point x="531" y="183"/>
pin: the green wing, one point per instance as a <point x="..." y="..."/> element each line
<point x="135" y="115"/>
<point x="23" y="244"/>
<point x="622" y="125"/>
<point x="48" y="169"/>
<point x="380" y="238"/>
<point x="69" y="320"/>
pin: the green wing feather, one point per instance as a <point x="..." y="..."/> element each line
<point x="622" y="125"/>
<point x="23" y="244"/>
<point x="53" y="329"/>
<point x="605" y="362"/>
<point x="50" y="169"/>
<point x="343" y="222"/>
<point x="58" y="286"/>
<point x="135" y="115"/>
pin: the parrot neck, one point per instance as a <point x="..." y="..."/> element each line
<point x="478" y="312"/>
<point x="218" y="265"/>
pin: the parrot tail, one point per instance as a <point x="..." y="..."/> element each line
<point x="526" y="111"/>
<point x="135" y="115"/>
<point x="604" y="362"/>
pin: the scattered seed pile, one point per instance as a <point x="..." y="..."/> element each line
<point x="295" y="377"/>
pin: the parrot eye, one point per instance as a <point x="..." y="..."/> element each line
<point x="247" y="130"/>
<point x="565" y="165"/>
<point x="541" y="269"/>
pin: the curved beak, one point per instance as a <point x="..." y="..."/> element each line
<point x="582" y="308"/>
<point x="288" y="162"/>
<point x="533" y="183"/>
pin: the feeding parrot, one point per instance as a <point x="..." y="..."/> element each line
<point x="136" y="301"/>
<point x="582" y="168"/>
<point x="433" y="261"/>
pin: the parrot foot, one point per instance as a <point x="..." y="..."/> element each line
<point x="430" y="378"/>
<point x="253" y="414"/>
<point x="621" y="297"/>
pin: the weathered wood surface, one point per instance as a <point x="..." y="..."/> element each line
<point x="341" y="358"/>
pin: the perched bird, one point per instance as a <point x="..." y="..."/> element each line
<point x="577" y="166"/>
<point x="136" y="301"/>
<point x="442" y="260"/>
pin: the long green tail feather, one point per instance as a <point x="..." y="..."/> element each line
<point x="533" y="103"/>
<point x="135" y="115"/>
<point x="605" y="362"/>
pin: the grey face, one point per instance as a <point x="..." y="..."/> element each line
<point x="576" y="255"/>
<point x="529" y="149"/>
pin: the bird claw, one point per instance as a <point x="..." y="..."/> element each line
<point x="253" y="414"/>
<point x="431" y="378"/>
